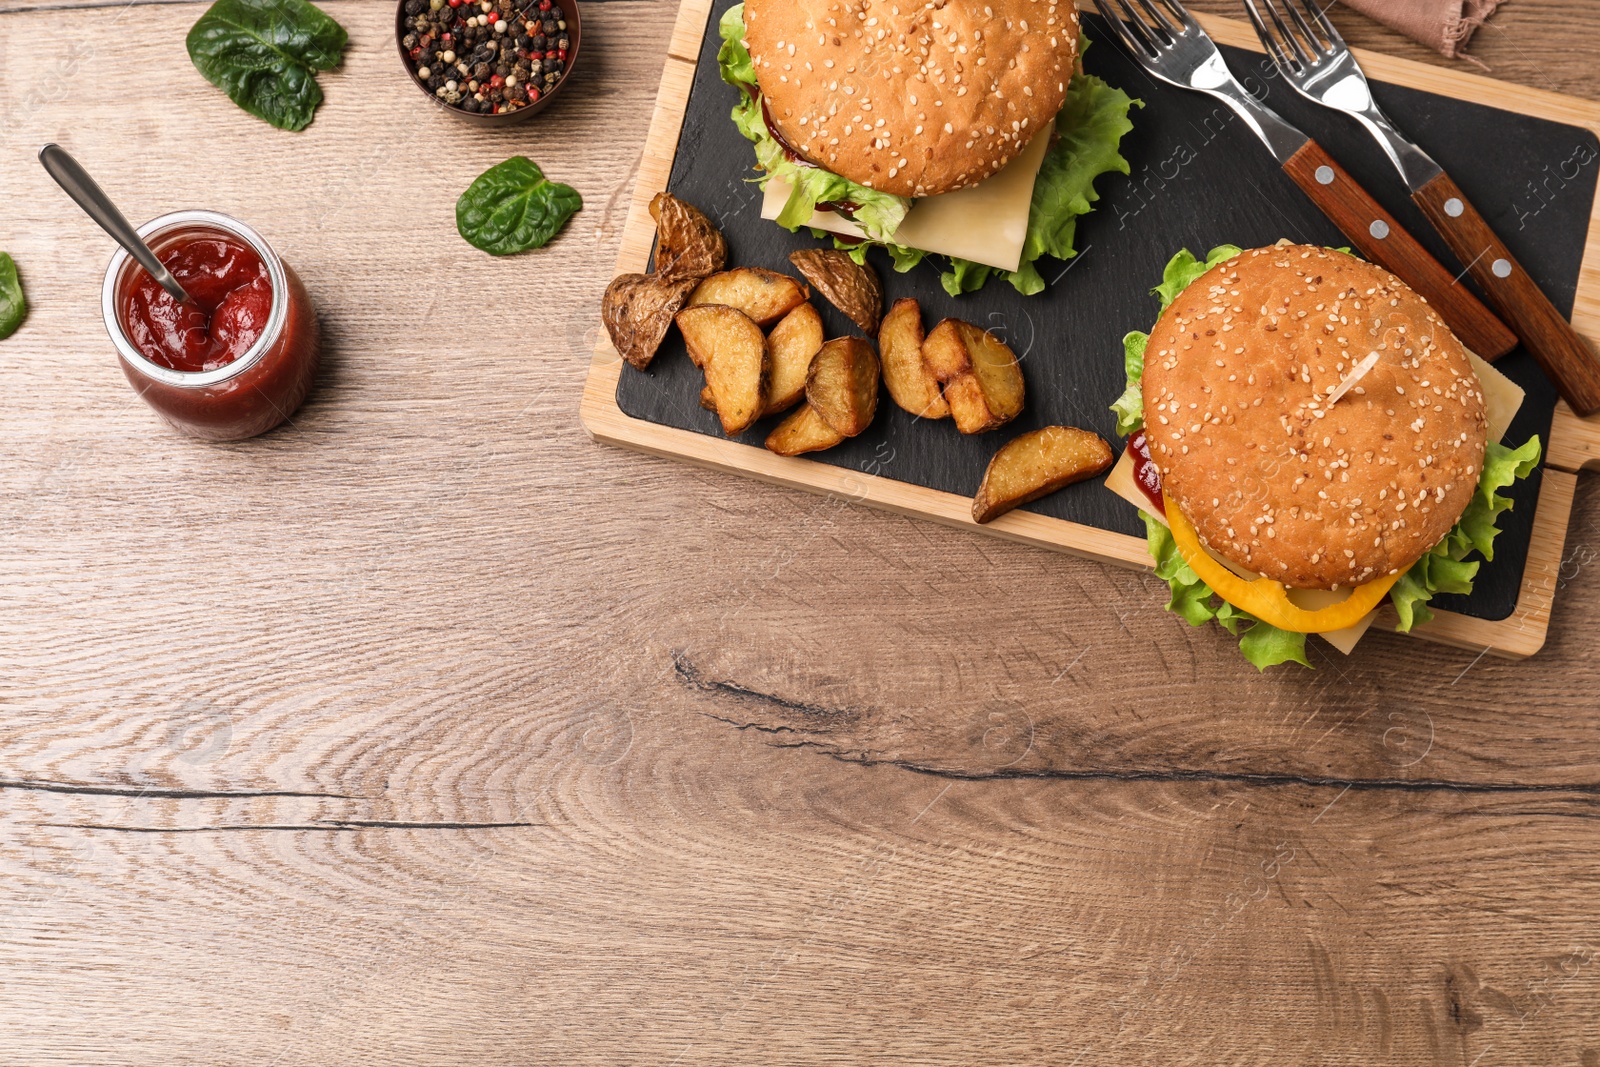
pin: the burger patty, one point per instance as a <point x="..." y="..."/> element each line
<point x="1274" y="474"/>
<point x="907" y="98"/>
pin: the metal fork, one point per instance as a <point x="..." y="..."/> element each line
<point x="1313" y="58"/>
<point x="1167" y="41"/>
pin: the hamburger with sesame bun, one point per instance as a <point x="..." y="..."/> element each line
<point x="868" y="112"/>
<point x="1310" y="440"/>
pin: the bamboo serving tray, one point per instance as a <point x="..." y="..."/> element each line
<point x="1573" y="443"/>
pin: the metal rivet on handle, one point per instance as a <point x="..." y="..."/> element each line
<point x="1379" y="229"/>
<point x="1502" y="268"/>
<point x="1453" y="207"/>
<point x="1325" y="175"/>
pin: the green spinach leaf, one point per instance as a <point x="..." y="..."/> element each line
<point x="513" y="207"/>
<point x="13" y="306"/>
<point x="265" y="55"/>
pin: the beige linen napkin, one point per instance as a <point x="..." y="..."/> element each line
<point x="1443" y="25"/>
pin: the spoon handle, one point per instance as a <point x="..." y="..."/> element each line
<point x="87" y="193"/>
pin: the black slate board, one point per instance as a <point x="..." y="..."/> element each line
<point x="1199" y="178"/>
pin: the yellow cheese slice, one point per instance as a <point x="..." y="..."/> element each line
<point x="986" y="223"/>
<point x="1120" y="481"/>
<point x="1502" y="397"/>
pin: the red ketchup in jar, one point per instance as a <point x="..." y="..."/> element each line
<point x="237" y="358"/>
<point x="1145" y="475"/>
<point x="230" y="301"/>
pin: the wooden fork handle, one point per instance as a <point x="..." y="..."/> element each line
<point x="1379" y="237"/>
<point x="1566" y="357"/>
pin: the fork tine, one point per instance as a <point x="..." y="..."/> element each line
<point x="1165" y="24"/>
<point x="1288" y="35"/>
<point x="1313" y="41"/>
<point x="1181" y="13"/>
<point x="1123" y="35"/>
<point x="1136" y="28"/>
<point x="1319" y="15"/>
<point x="1274" y="49"/>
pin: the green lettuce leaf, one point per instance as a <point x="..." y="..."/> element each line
<point x="1446" y="569"/>
<point x="1182" y="271"/>
<point x="1130" y="405"/>
<point x="1090" y="129"/>
<point x="879" y="214"/>
<point x="1264" y="646"/>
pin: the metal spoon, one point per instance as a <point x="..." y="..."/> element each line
<point x="87" y="193"/>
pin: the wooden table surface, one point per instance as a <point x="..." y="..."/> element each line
<point x="427" y="731"/>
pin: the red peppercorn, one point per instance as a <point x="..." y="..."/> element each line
<point x="497" y="81"/>
<point x="552" y="54"/>
<point x="544" y="5"/>
<point x="561" y="54"/>
<point x="415" y="52"/>
<point x="455" y="3"/>
<point x="493" y="17"/>
<point x="533" y="94"/>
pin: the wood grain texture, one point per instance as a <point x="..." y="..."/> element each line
<point x="426" y="731"/>
<point x="1380" y="238"/>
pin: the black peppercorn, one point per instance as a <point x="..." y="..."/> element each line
<point x="416" y="7"/>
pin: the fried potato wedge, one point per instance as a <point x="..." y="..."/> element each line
<point x="843" y="385"/>
<point x="764" y="295"/>
<point x="910" y="382"/>
<point x="1036" y="465"/>
<point x="982" y="381"/>
<point x="851" y="287"/>
<point x="804" y="431"/>
<point x="792" y="344"/>
<point x="733" y="353"/>
<point x="688" y="245"/>
<point x="638" y="310"/>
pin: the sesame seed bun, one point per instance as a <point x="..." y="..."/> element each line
<point x="907" y="98"/>
<point x="1237" y="381"/>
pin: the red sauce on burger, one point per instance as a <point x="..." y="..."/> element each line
<point x="1145" y="475"/>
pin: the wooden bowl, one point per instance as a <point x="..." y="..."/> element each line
<point x="574" y="31"/>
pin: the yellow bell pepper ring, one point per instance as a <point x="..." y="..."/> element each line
<point x="1266" y="599"/>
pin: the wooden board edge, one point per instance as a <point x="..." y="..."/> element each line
<point x="1523" y="633"/>
<point x="655" y="165"/>
<point x="1518" y="636"/>
<point x="606" y="422"/>
<point x="688" y="32"/>
<point x="1574" y="442"/>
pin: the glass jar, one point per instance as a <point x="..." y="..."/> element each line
<point x="255" y="392"/>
